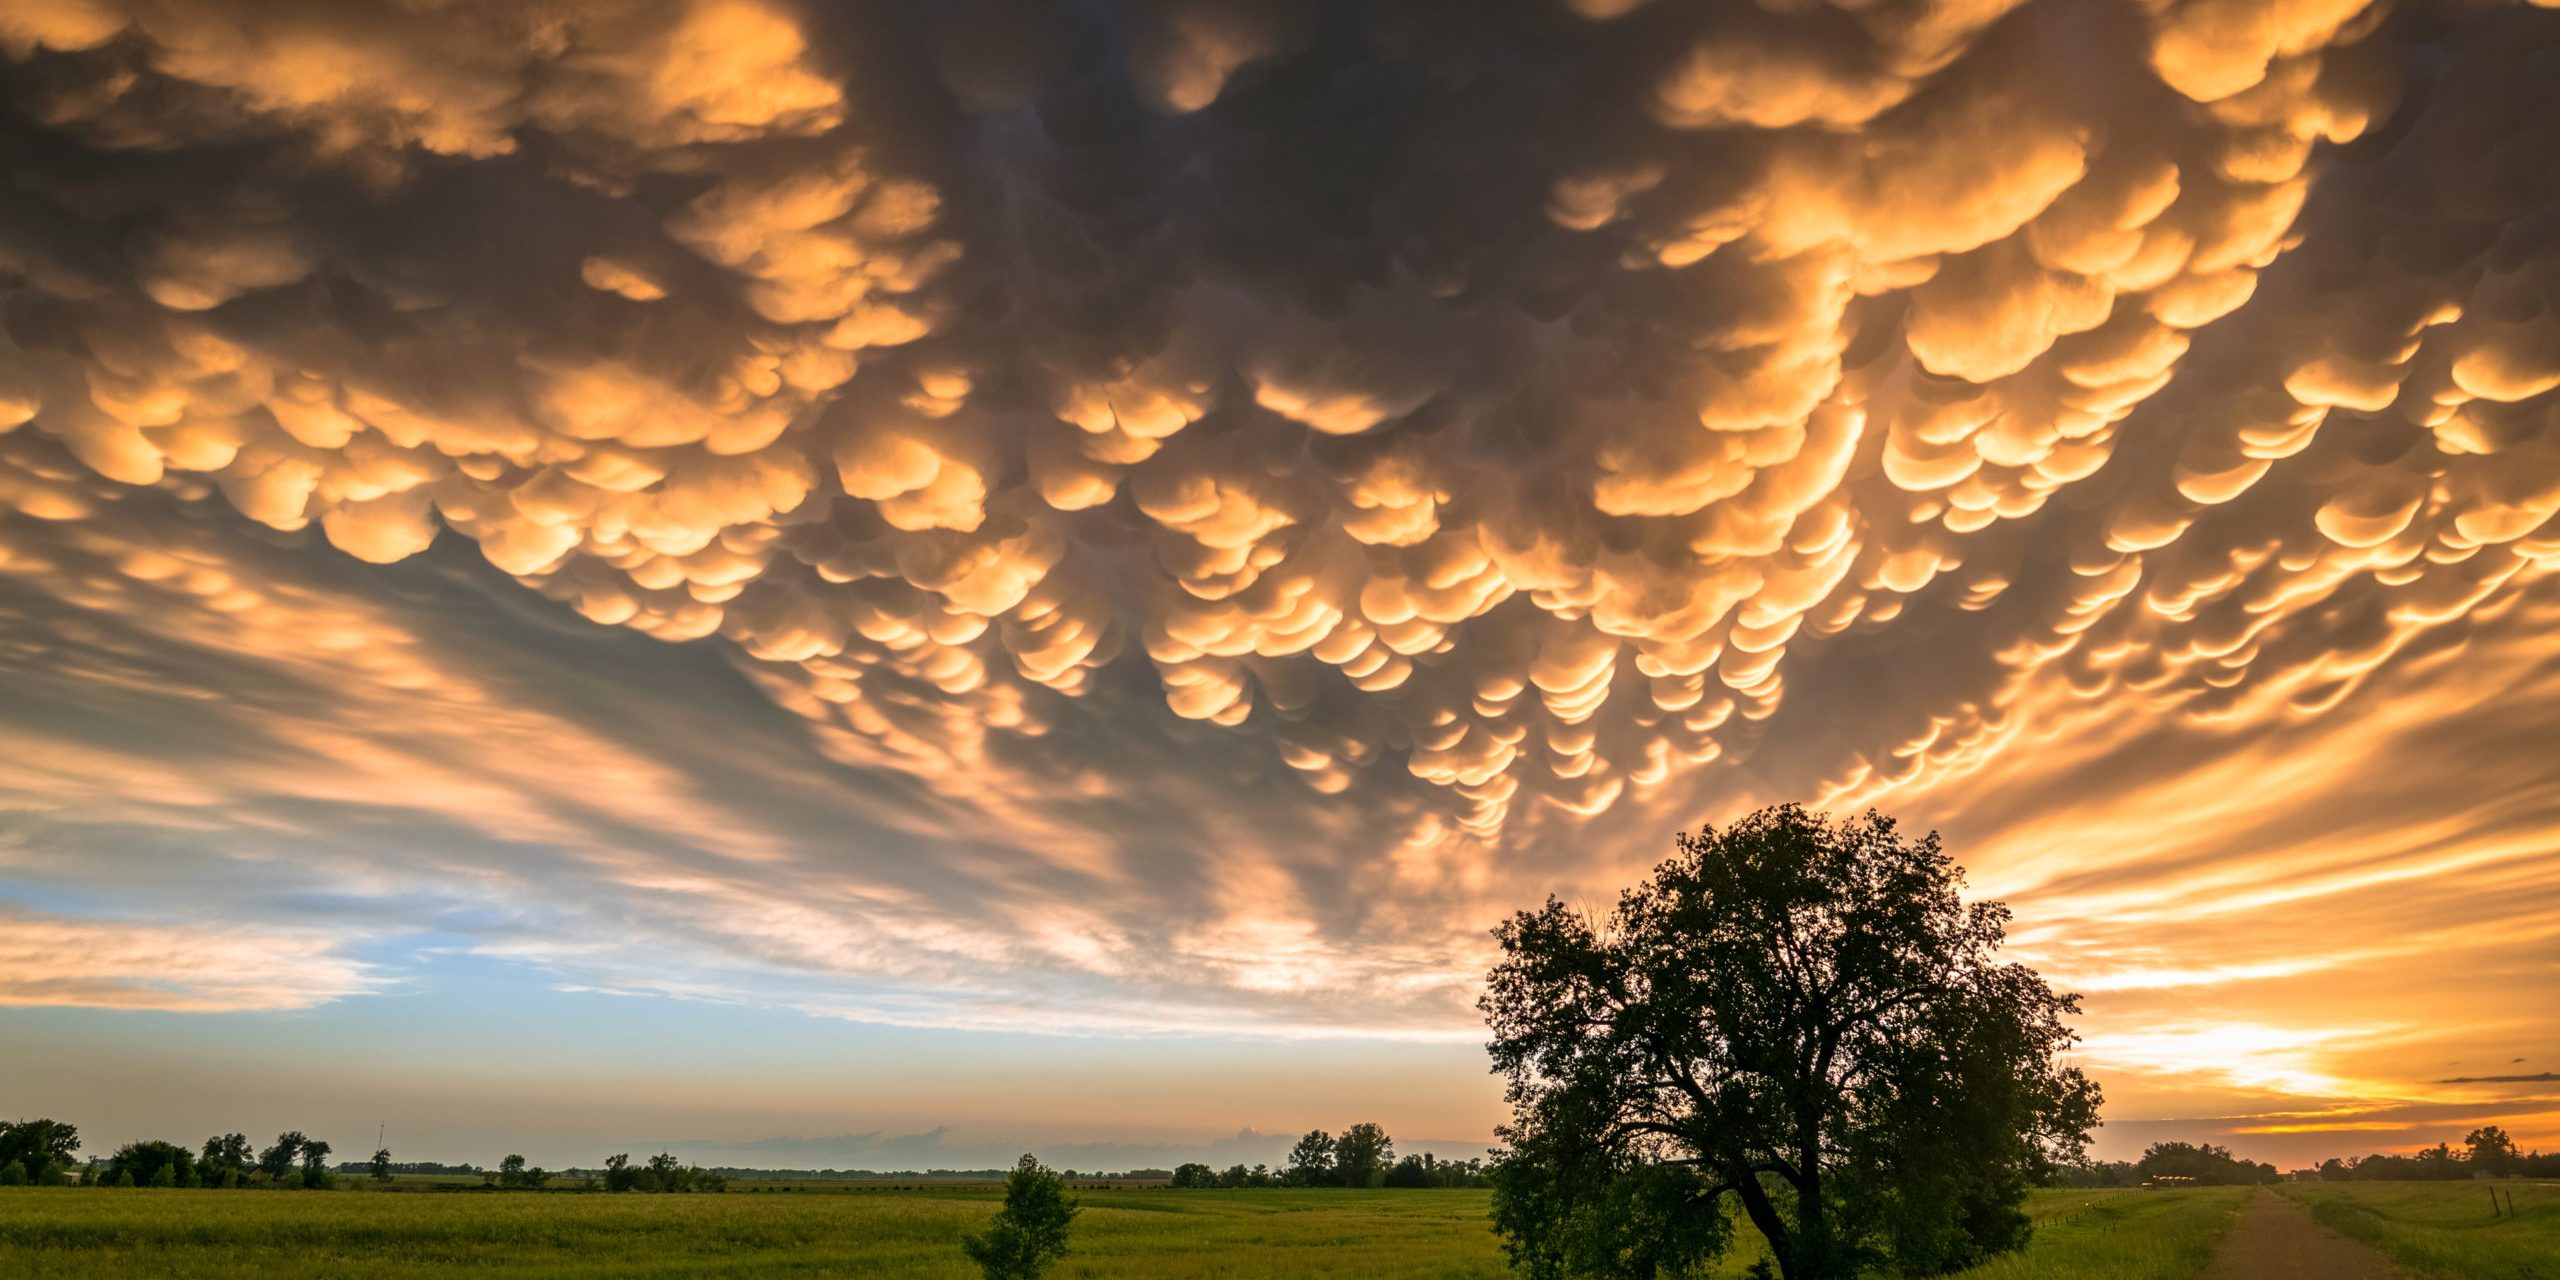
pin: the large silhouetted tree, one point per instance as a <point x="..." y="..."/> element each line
<point x="1799" y="1014"/>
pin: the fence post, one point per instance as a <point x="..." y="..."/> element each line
<point x="2493" y="1202"/>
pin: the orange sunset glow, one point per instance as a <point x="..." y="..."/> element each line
<point x="891" y="540"/>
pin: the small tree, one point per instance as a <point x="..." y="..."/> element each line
<point x="511" y="1171"/>
<point x="618" y="1173"/>
<point x="1361" y="1155"/>
<point x="1192" y="1175"/>
<point x="380" y="1166"/>
<point x="315" y="1165"/>
<point x="1030" y="1232"/>
<point x="1311" y="1160"/>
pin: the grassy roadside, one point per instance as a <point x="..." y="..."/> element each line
<point x="2120" y="1235"/>
<point x="2443" y="1230"/>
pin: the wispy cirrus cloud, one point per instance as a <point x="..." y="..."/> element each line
<point x="61" y="960"/>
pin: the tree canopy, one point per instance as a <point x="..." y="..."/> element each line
<point x="40" y="1150"/>
<point x="1311" y="1160"/>
<point x="2207" y="1165"/>
<point x="1362" y="1154"/>
<point x="1799" y="1013"/>
<point x="227" y="1160"/>
<point x="153" y="1164"/>
<point x="277" y="1161"/>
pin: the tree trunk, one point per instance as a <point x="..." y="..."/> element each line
<point x="1813" y="1229"/>
<point x="1764" y="1215"/>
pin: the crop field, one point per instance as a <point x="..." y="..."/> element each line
<point x="2444" y="1230"/>
<point x="81" y="1234"/>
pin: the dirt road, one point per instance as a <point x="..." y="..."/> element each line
<point x="2276" y="1239"/>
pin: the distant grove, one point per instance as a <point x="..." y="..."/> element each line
<point x="1364" y="1156"/>
<point x="2486" y="1152"/>
<point x="42" y="1153"/>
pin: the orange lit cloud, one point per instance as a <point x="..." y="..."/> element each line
<point x="47" y="960"/>
<point x="1225" y="497"/>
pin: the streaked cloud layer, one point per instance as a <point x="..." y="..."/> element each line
<point x="1177" y="514"/>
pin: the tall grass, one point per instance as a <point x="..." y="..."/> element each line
<point x="80" y="1234"/>
<point x="2120" y="1235"/>
<point x="88" y="1234"/>
<point x="2445" y="1230"/>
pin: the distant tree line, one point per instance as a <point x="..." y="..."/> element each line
<point x="293" y="1160"/>
<point x="2487" y="1152"/>
<point x="662" y="1173"/>
<point x="1364" y="1156"/>
<point x="419" y="1168"/>
<point x="2206" y="1165"/>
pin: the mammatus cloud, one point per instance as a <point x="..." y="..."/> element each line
<point x="1289" y="479"/>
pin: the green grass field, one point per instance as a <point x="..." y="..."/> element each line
<point x="2443" y="1230"/>
<point x="81" y="1234"/>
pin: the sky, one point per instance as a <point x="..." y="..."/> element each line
<point x="882" y="584"/>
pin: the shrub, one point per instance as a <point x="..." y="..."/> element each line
<point x="1030" y="1232"/>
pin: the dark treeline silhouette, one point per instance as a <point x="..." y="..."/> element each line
<point x="1364" y="1156"/>
<point x="293" y="1161"/>
<point x="2204" y="1165"/>
<point x="663" y="1173"/>
<point x="2486" y="1152"/>
<point x="417" y="1168"/>
<point x="42" y="1153"/>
